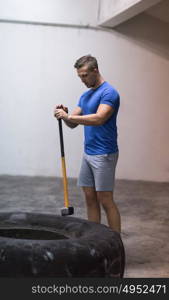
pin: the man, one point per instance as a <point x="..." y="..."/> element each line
<point x="97" y="111"/>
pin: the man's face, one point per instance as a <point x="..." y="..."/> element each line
<point x="87" y="76"/>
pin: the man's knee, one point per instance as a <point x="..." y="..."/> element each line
<point x="90" y="194"/>
<point x="105" y="198"/>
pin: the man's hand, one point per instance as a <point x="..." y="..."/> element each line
<point x="61" y="112"/>
<point x="61" y="106"/>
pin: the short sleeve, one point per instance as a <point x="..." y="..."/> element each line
<point x="110" y="97"/>
<point x="80" y="102"/>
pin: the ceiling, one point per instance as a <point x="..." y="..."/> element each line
<point x="160" y="11"/>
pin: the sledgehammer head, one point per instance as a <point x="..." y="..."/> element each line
<point x="66" y="211"/>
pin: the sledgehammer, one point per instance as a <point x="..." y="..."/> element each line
<point x="66" y="210"/>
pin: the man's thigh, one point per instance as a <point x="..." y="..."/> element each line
<point x="86" y="176"/>
<point x="103" y="167"/>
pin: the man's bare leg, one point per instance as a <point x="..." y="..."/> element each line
<point x="93" y="206"/>
<point x="113" y="216"/>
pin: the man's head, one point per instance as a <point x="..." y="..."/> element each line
<point x="87" y="70"/>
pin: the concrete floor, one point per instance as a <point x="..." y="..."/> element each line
<point x="144" y="208"/>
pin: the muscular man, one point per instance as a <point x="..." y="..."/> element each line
<point x="97" y="110"/>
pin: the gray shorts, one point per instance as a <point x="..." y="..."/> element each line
<point x="98" y="171"/>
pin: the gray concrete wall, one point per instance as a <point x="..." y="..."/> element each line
<point x="37" y="73"/>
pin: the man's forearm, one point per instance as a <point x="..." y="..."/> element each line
<point x="91" y="119"/>
<point x="70" y="124"/>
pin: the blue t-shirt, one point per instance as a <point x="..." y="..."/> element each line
<point x="100" y="139"/>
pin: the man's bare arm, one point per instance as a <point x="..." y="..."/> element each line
<point x="61" y="112"/>
<point x="76" y="112"/>
<point x="103" y="113"/>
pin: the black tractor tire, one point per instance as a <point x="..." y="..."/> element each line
<point x="49" y="245"/>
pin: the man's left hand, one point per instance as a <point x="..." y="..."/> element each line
<point x="60" y="114"/>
